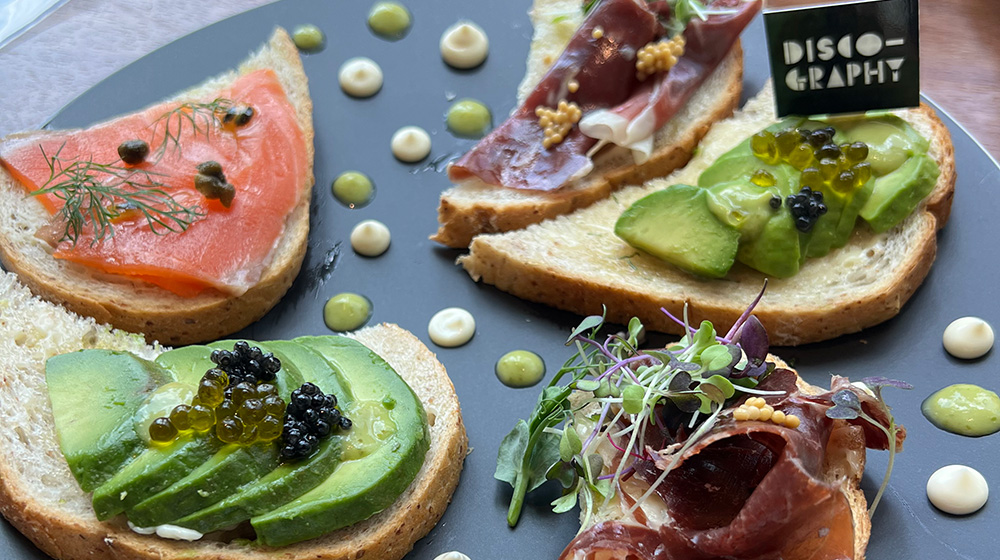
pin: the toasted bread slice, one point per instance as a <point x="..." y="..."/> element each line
<point x="40" y="497"/>
<point x="473" y="207"/>
<point x="577" y="263"/>
<point x="137" y="306"/>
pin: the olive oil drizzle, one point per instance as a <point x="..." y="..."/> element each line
<point x="98" y="194"/>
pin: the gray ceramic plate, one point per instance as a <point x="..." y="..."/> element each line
<point x="416" y="277"/>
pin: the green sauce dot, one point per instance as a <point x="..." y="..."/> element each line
<point x="353" y="189"/>
<point x="347" y="312"/>
<point x="520" y="368"/>
<point x="468" y="117"/>
<point x="963" y="409"/>
<point x="308" y="37"/>
<point x="390" y="20"/>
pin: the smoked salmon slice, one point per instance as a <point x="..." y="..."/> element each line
<point x="226" y="249"/>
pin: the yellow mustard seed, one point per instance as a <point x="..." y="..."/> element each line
<point x="792" y="421"/>
<point x="597" y="33"/>
<point x="778" y="417"/>
<point x="658" y="56"/>
<point x="573" y="86"/>
<point x="753" y="412"/>
<point x="741" y="414"/>
<point x="556" y="123"/>
<point x="765" y="413"/>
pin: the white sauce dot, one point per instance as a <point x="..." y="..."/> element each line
<point x="411" y="144"/>
<point x="464" y="45"/>
<point x="177" y="533"/>
<point x="453" y="555"/>
<point x="451" y="327"/>
<point x="968" y="338"/>
<point x="360" y="77"/>
<point x="957" y="489"/>
<point x="142" y="530"/>
<point x="370" y="238"/>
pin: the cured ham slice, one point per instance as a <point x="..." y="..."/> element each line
<point x="746" y="490"/>
<point x="633" y="123"/>
<point x="617" y="107"/>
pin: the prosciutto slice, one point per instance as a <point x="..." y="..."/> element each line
<point x="747" y="490"/>
<point x="617" y="107"/>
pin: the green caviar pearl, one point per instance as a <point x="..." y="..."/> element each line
<point x="468" y="117"/>
<point x="963" y="409"/>
<point x="269" y="428"/>
<point x="390" y="20"/>
<point x="308" y="37"/>
<point x="162" y="431"/>
<point x="353" y="189"/>
<point x="180" y="417"/>
<point x="202" y="417"/>
<point x="347" y="312"/>
<point x="520" y="368"/>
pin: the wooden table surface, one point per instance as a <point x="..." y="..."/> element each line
<point x="86" y="40"/>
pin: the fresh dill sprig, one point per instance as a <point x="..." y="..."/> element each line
<point x="99" y="194"/>
<point x="201" y="117"/>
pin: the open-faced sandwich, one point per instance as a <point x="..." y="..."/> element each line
<point x="636" y="86"/>
<point x="319" y="447"/>
<point x="840" y="213"/>
<point x="709" y="448"/>
<point x="185" y="221"/>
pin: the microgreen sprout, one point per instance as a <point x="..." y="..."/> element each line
<point x="616" y="386"/>
<point x="847" y="406"/>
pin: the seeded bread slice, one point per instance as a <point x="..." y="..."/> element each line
<point x="576" y="262"/>
<point x="137" y="306"/>
<point x="40" y="497"/>
<point x="473" y="207"/>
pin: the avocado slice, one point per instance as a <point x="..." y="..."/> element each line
<point x="384" y="449"/>
<point x="776" y="251"/>
<point x="225" y="472"/>
<point x="833" y="229"/>
<point x="95" y="395"/>
<point x="739" y="163"/>
<point x="160" y="467"/>
<point x="890" y="139"/>
<point x="897" y="194"/>
<point x="676" y="225"/>
<point x="288" y="480"/>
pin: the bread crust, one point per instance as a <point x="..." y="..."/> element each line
<point x="69" y="533"/>
<point x="540" y="267"/>
<point x="462" y="215"/>
<point x="140" y="307"/>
